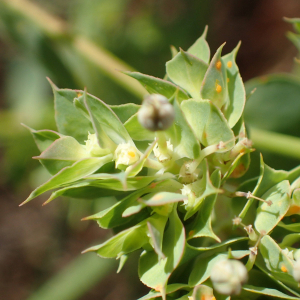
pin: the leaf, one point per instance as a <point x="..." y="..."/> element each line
<point x="112" y="216"/>
<point x="163" y="198"/>
<point x="106" y="122"/>
<point x="236" y="90"/>
<point x="69" y="120"/>
<point x="43" y="138"/>
<point x="289" y="240"/>
<point x="267" y="292"/>
<point x="201" y="226"/>
<point x="295" y="22"/>
<point x="208" y="123"/>
<point x="268" y="216"/>
<point x="61" y="153"/>
<point x="156" y="85"/>
<point x="277" y="261"/>
<point x="187" y="71"/>
<point x="214" y="86"/>
<point x="200" y="48"/>
<point x="125" y="111"/>
<point x="188" y="146"/>
<point x="69" y="174"/>
<point x="156" y="227"/>
<point x="123" y="243"/>
<point x="294" y="227"/>
<point x="203" y="292"/>
<point x="137" y="131"/>
<point x="154" y="272"/>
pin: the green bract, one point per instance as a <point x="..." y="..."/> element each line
<point x="176" y="198"/>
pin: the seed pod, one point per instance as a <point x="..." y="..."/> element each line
<point x="156" y="113"/>
<point x="228" y="276"/>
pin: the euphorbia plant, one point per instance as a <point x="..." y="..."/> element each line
<point x="171" y="164"/>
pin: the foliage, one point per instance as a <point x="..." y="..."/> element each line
<point x="176" y="195"/>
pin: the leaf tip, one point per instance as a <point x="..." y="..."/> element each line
<point x="54" y="87"/>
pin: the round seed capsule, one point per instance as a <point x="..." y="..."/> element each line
<point x="156" y="113"/>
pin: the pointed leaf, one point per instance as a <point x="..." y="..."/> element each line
<point x="208" y="123"/>
<point x="200" y="48"/>
<point x="268" y="216"/>
<point x="214" y="86"/>
<point x="69" y="120"/>
<point x="154" y="272"/>
<point x="125" y="111"/>
<point x="69" y="174"/>
<point x="294" y="227"/>
<point x="236" y="89"/>
<point x="156" y="85"/>
<point x="187" y="71"/>
<point x="163" y="198"/>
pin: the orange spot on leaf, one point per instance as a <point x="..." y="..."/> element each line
<point x="218" y="88"/>
<point x="218" y="65"/>
<point x="229" y="64"/>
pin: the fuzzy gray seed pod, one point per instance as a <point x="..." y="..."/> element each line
<point x="156" y="113"/>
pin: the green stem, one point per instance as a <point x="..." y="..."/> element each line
<point x="276" y="142"/>
<point x="55" y="29"/>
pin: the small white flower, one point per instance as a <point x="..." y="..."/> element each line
<point x="165" y="155"/>
<point x="126" y="155"/>
<point x="187" y="191"/>
<point x="189" y="172"/>
<point x="288" y="253"/>
<point x="92" y="146"/>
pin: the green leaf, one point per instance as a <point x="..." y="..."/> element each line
<point x="200" y="48"/>
<point x="208" y="123"/>
<point x="69" y="174"/>
<point x="43" y="138"/>
<point x="277" y="261"/>
<point x="187" y="71"/>
<point x="137" y="131"/>
<point x="124" y="242"/>
<point x="156" y="85"/>
<point x="294" y="227"/>
<point x="295" y="22"/>
<point x="163" y="198"/>
<point x="268" y="216"/>
<point x="156" y="227"/>
<point x="188" y="146"/>
<point x="201" y="226"/>
<point x="154" y="272"/>
<point x="289" y="240"/>
<point x="203" y="292"/>
<point x="214" y="86"/>
<point x="268" y="292"/>
<point x="236" y="90"/>
<point x="69" y="120"/>
<point x="106" y="122"/>
<point x="61" y="153"/>
<point x="112" y="216"/>
<point x="125" y="111"/>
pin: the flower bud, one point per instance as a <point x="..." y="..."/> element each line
<point x="228" y="276"/>
<point x="156" y="113"/>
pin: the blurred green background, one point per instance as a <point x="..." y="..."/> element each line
<point x="83" y="43"/>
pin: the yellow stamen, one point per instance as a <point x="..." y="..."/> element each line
<point x="284" y="269"/>
<point x="131" y="154"/>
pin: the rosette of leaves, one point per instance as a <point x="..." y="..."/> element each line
<point x="174" y="189"/>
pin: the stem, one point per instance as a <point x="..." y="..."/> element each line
<point x="276" y="142"/>
<point x="55" y="28"/>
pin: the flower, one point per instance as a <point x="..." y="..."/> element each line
<point x="126" y="155"/>
<point x="163" y="156"/>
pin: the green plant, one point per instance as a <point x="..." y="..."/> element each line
<point x="176" y="189"/>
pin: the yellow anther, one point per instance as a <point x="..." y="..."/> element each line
<point x="218" y="88"/>
<point x="284" y="269"/>
<point x="229" y="64"/>
<point x="218" y="65"/>
<point x="131" y="154"/>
